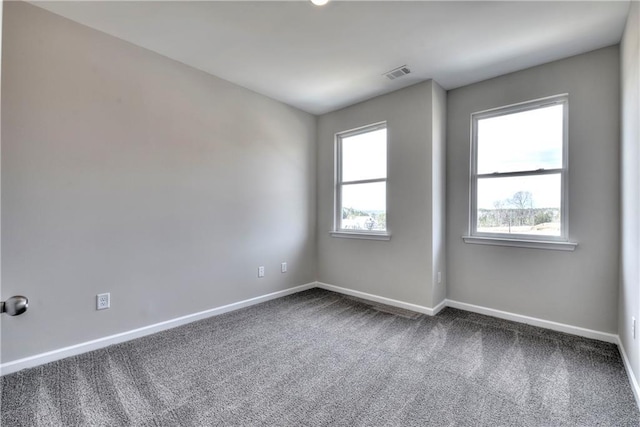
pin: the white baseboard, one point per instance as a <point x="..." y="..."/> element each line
<point x="547" y="324"/>
<point x="438" y="308"/>
<point x="383" y="300"/>
<point x="632" y="378"/>
<point x="51" y="356"/>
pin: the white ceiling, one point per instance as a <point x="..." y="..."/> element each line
<point x="321" y="59"/>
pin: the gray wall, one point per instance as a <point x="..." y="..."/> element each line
<point x="1" y="14"/>
<point x="126" y="172"/>
<point x="630" y="177"/>
<point x="438" y="191"/>
<point x="401" y="268"/>
<point x="576" y="288"/>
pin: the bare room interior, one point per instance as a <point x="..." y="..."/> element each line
<point x="356" y="213"/>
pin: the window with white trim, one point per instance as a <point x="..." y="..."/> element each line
<point x="361" y="182"/>
<point x="519" y="172"/>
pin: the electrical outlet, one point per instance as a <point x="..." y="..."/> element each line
<point x="439" y="277"/>
<point x="103" y="301"/>
<point x="261" y="271"/>
<point x="283" y="267"/>
<point x="633" y="327"/>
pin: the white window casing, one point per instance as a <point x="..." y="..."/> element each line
<point x="370" y="229"/>
<point x="559" y="241"/>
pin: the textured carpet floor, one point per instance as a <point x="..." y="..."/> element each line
<point x="317" y="358"/>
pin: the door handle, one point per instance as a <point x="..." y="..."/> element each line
<point x="15" y="305"/>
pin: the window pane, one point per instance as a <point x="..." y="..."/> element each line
<point x="364" y="156"/>
<point x="364" y="206"/>
<point x="524" y="141"/>
<point x="521" y="205"/>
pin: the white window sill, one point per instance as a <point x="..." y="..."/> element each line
<point x="361" y="235"/>
<point x="518" y="243"/>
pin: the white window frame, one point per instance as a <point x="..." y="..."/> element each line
<point x="338" y="183"/>
<point x="512" y="239"/>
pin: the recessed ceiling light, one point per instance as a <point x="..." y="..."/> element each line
<point x="319" y="2"/>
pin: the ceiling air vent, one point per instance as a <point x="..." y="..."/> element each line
<point x="398" y="72"/>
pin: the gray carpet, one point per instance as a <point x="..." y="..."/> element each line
<point x="317" y="359"/>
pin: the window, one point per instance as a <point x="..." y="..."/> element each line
<point x="361" y="183"/>
<point x="519" y="175"/>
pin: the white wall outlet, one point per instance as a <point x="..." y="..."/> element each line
<point x="283" y="267"/>
<point x="103" y="301"/>
<point x="439" y="277"/>
<point x="633" y="327"/>
<point x="261" y="271"/>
